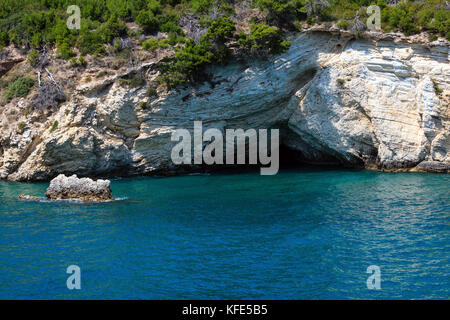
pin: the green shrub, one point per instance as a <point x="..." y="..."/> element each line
<point x="343" y="24"/>
<point x="171" y="27"/>
<point x="114" y="27"/>
<point x="80" y="62"/>
<point x="263" y="39"/>
<point x="432" y="37"/>
<point x="60" y="33"/>
<point x="409" y="17"/>
<point x="153" y="20"/>
<point x="188" y="63"/>
<point x="134" y="81"/>
<point x="227" y="9"/>
<point x="151" y="44"/>
<point x="90" y="42"/>
<point x="33" y="57"/>
<point x="425" y="17"/>
<point x="26" y="112"/>
<point x="4" y="38"/>
<point x="124" y="9"/>
<point x="65" y="51"/>
<point x="403" y="17"/>
<point x="437" y="90"/>
<point x="151" y="92"/>
<point x="298" y="26"/>
<point x="19" y="88"/>
<point x="164" y="43"/>
<point x="143" y="105"/>
<point x="220" y="30"/>
<point x="54" y="126"/>
<point x="21" y="127"/>
<point x="201" y="6"/>
<point x="282" y="11"/>
<point x="30" y="24"/>
<point x="147" y="21"/>
<point x="155" y="6"/>
<point x="440" y="22"/>
<point x="4" y="84"/>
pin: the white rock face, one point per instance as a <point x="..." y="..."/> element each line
<point x="85" y="189"/>
<point x="377" y="104"/>
<point x="354" y="102"/>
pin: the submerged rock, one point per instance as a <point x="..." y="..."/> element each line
<point x="85" y="189"/>
<point x="27" y="197"/>
<point x="433" y="166"/>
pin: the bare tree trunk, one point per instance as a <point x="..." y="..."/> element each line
<point x="53" y="79"/>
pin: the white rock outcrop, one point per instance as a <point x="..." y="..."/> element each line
<point x="85" y="189"/>
<point x="371" y="103"/>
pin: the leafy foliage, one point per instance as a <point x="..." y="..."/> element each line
<point x="147" y="21"/>
<point x="90" y="42"/>
<point x="283" y="11"/>
<point x="263" y="40"/>
<point x="65" y="51"/>
<point x="188" y="63"/>
<point x="54" y="126"/>
<point x="201" y="6"/>
<point x="31" y="24"/>
<point x="80" y="62"/>
<point x="21" y="127"/>
<point x="134" y="81"/>
<point x="19" y="88"/>
<point x="412" y="17"/>
<point x="220" y="30"/>
<point x="33" y="57"/>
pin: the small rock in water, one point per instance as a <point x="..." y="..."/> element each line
<point x="85" y="189"/>
<point x="433" y="166"/>
<point x="27" y="197"/>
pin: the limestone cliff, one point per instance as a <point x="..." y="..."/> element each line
<point x="357" y="102"/>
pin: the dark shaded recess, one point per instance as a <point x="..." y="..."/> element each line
<point x="289" y="159"/>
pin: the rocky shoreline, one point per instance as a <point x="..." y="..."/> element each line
<point x="379" y="102"/>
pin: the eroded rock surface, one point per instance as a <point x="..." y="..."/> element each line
<point x="371" y="103"/>
<point x="85" y="189"/>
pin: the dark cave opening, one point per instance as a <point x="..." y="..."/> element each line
<point x="289" y="159"/>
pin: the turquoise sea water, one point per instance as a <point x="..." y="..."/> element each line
<point x="302" y="234"/>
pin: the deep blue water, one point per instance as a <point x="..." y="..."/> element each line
<point x="302" y="234"/>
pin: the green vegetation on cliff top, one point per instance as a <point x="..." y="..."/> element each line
<point x="31" y="24"/>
